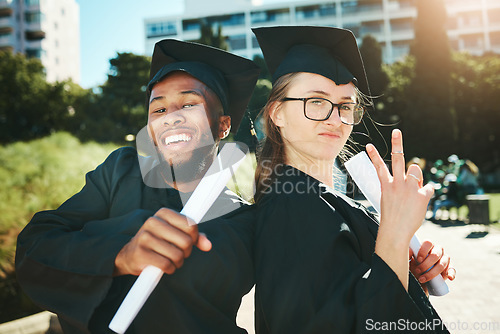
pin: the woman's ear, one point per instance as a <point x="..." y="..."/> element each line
<point x="224" y="126"/>
<point x="276" y="114"/>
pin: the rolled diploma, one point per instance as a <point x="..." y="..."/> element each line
<point x="365" y="175"/>
<point x="205" y="194"/>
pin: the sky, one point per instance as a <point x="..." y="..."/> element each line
<point x="111" y="26"/>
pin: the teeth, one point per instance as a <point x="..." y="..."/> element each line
<point x="177" y="138"/>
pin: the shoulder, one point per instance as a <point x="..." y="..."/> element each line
<point x="121" y="162"/>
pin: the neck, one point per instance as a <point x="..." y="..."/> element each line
<point x="321" y="170"/>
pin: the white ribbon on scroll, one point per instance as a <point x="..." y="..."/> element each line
<point x="365" y="175"/>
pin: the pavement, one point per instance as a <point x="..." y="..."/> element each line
<point x="473" y="303"/>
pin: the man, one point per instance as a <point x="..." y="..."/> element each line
<point x="80" y="260"/>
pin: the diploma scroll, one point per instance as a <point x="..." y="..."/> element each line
<point x="364" y="174"/>
<point x="205" y="194"/>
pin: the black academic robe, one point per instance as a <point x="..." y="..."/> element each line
<point x="65" y="258"/>
<point x="316" y="270"/>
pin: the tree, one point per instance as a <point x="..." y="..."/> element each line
<point x="120" y="108"/>
<point x="429" y="122"/>
<point x="371" y="52"/>
<point x="257" y="102"/>
<point x="476" y="83"/>
<point x="29" y="106"/>
<point x="208" y="37"/>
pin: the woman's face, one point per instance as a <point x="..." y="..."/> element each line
<point x="308" y="141"/>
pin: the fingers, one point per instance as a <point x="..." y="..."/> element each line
<point x="186" y="225"/>
<point x="178" y="221"/>
<point x="382" y="171"/>
<point x="424" y="250"/>
<point x="397" y="155"/>
<point x="164" y="241"/>
<point x="414" y="174"/>
<point x="203" y="243"/>
<point x="451" y="273"/>
<point x="433" y="262"/>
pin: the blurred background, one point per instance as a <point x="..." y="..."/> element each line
<point x="73" y="75"/>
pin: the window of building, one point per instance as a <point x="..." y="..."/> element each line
<point x="227" y="20"/>
<point x="472" y="41"/>
<point x="34" y="17"/>
<point x="400" y="50"/>
<point x="358" y="6"/>
<point x="276" y="16"/>
<point x="495" y="39"/>
<point x="161" y="29"/>
<point x="31" y="2"/>
<point x="395" y="5"/>
<point x="237" y="42"/>
<point x="371" y="28"/>
<point x="188" y="25"/>
<point x="402" y="25"/>
<point x="307" y="12"/>
<point x="34" y="53"/>
<point x="470" y="19"/>
<point x="494" y="16"/>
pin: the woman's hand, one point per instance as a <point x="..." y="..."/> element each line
<point x="403" y="206"/>
<point x="430" y="262"/>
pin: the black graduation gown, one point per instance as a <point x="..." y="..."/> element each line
<point x="65" y="258"/>
<point x="316" y="270"/>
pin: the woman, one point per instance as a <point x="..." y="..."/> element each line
<point x="323" y="264"/>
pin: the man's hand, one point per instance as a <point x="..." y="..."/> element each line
<point x="163" y="241"/>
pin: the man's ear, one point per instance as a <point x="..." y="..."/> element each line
<point x="224" y="126"/>
<point x="276" y="114"/>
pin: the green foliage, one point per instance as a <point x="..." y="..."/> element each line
<point x="257" y="102"/>
<point x="35" y="176"/>
<point x="476" y="83"/>
<point x="429" y="111"/>
<point x="29" y="106"/>
<point x="371" y="52"/>
<point x="208" y="37"/>
<point x="120" y="108"/>
<point x="41" y="174"/>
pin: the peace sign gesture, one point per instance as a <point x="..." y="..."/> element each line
<point x="403" y="206"/>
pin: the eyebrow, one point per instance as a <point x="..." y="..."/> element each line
<point x="326" y="94"/>
<point x="185" y="92"/>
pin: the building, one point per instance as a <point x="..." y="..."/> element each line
<point x="473" y="25"/>
<point x="45" y="29"/>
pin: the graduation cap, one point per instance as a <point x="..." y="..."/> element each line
<point x="330" y="52"/>
<point x="232" y="78"/>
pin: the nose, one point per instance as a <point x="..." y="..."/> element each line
<point x="334" y="118"/>
<point x="173" y="118"/>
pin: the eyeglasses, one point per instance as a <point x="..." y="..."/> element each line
<point x="319" y="109"/>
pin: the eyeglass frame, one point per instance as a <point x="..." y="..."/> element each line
<point x="305" y="99"/>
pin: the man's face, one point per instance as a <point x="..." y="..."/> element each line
<point x="182" y="122"/>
